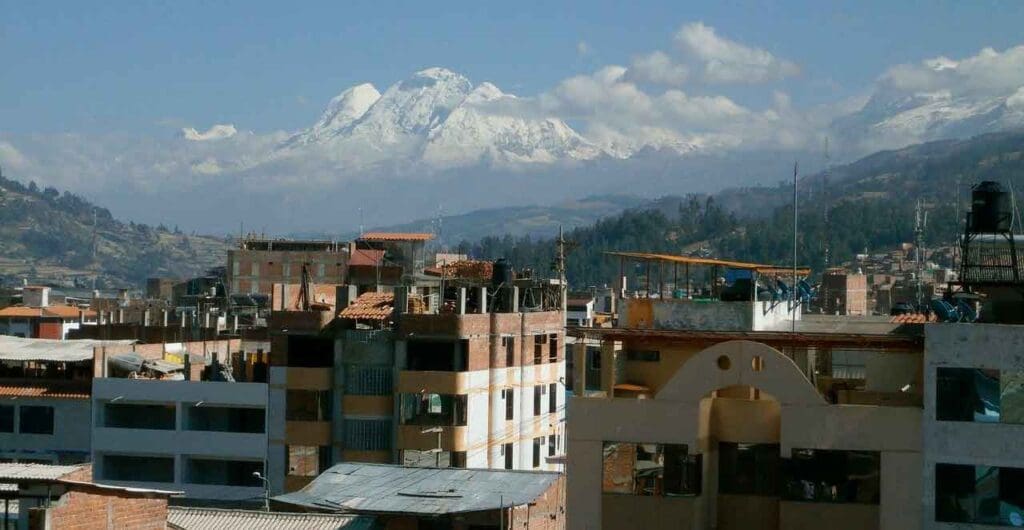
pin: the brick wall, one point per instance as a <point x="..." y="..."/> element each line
<point x="82" y="510"/>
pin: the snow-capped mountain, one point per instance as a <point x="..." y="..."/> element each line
<point x="439" y="118"/>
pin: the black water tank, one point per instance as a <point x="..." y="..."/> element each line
<point x="502" y="273"/>
<point x="990" y="208"/>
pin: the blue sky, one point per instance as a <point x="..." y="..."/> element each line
<point x="147" y="67"/>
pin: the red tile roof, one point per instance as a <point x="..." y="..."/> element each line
<point x="41" y="388"/>
<point x="396" y="236"/>
<point x="913" y="318"/>
<point x="369" y="306"/>
<point x="52" y="311"/>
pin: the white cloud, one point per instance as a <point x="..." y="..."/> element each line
<point x="658" y="68"/>
<point x="11" y="158"/>
<point x="216" y="132"/>
<point x="727" y="61"/>
<point x="989" y="71"/>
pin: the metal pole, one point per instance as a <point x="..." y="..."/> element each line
<point x="796" y="168"/>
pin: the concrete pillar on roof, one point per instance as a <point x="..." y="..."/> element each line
<point x="483" y="300"/>
<point x="461" y="304"/>
<point x="514" y="307"/>
<point x="120" y="316"/>
<point x="145" y="317"/>
<point x="164" y="317"/>
<point x="608" y="358"/>
<point x="579" y="368"/>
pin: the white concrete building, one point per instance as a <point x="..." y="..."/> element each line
<point x="204" y="438"/>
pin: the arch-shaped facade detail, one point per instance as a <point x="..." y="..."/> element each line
<point x="741" y="362"/>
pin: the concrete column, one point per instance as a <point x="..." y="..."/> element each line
<point x="145" y="317"/>
<point x="515" y="299"/>
<point x="579" y="368"/>
<point x="206" y="319"/>
<point x="120" y="316"/>
<point x="483" y="300"/>
<point x="461" y="304"/>
<point x="234" y="323"/>
<point x="182" y="320"/>
<point x="608" y="367"/>
<point x="81" y="317"/>
<point x="164" y="317"/>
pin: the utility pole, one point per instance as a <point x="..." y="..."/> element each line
<point x="560" y="269"/>
<point x="825" y="204"/>
<point x="796" y="170"/>
<point x="920" y="219"/>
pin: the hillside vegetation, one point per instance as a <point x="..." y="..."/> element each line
<point x="49" y="236"/>
<point x="871" y="207"/>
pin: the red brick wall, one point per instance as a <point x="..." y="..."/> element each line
<point x="50" y="330"/>
<point x="82" y="510"/>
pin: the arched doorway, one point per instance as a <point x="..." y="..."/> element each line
<point x="740" y="388"/>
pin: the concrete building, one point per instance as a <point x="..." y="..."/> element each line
<point x="203" y="438"/>
<point x="439" y="371"/>
<point x="713" y="414"/>
<point x="580" y="311"/>
<point x="424" y="498"/>
<point x="259" y="263"/>
<point x="38" y="318"/>
<point x="45" y="388"/>
<point x="844" y="293"/>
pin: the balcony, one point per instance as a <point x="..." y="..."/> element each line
<point x="414" y="382"/>
<point x="452" y="438"/>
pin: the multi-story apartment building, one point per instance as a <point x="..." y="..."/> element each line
<point x="260" y="263"/>
<point x="444" y="371"/>
<point x="727" y="413"/>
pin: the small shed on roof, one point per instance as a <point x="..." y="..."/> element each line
<point x="401" y="490"/>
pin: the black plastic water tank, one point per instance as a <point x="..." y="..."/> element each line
<point x="990" y="208"/>
<point x="502" y="273"/>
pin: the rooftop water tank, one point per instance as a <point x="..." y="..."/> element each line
<point x="991" y="211"/>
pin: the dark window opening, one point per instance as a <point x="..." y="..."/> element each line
<point x="138" y="468"/>
<point x="226" y="419"/>
<point x="35" y="420"/>
<point x="967" y="394"/>
<point x="536" y="451"/>
<point x="538" y="391"/>
<point x="310" y="351"/>
<point x="818" y="475"/>
<point x="6" y="418"/>
<point x="538" y="348"/>
<point x="308" y="405"/>
<point x="748" y="469"/>
<point x="553" y="348"/>
<point x="510" y="350"/>
<point x="224" y="472"/>
<point x="510" y="404"/>
<point x="552" y="445"/>
<point x="131" y="416"/>
<point x="553" y="397"/>
<point x="507" y="451"/>
<point x="436" y="356"/>
<point x="643" y="355"/>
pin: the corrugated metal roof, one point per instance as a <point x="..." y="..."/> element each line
<point x="218" y="519"/>
<point x="19" y="349"/>
<point x="381" y="488"/>
<point x="396" y="236"/>
<point x="758" y="267"/>
<point x="13" y="472"/>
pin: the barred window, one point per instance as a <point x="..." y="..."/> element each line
<point x="368" y="434"/>
<point x="363" y="380"/>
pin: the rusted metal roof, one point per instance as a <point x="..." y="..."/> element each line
<point x="42" y="388"/>
<point x="670" y="258"/>
<point x="369" y="306"/>
<point x="188" y="518"/>
<point x="396" y="236"/>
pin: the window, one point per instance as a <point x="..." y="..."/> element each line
<point x="967" y="394"/>
<point x="506" y="451"/>
<point x="6" y="418"/>
<point x="510" y="404"/>
<point x="35" y="420"/>
<point x="308" y="405"/>
<point x="536" y="451"/>
<point x="538" y="348"/>
<point x="967" y="494"/>
<point x="538" y="391"/>
<point x="553" y="397"/>
<point x="224" y="472"/>
<point x="363" y="380"/>
<point x="553" y="348"/>
<point x="138" y="416"/>
<point x="433" y="409"/>
<point x="310" y="352"/>
<point x="368" y="434"/>
<point x="748" y="469"/>
<point x="594" y="356"/>
<point x="643" y="355"/>
<point x="509" y="343"/>
<point x="1011" y="399"/>
<point x="226" y="419"/>
<point x="650" y="469"/>
<point x="138" y="468"/>
<point x="552" y="445"/>
<point x="308" y="460"/>
<point x="436" y="356"/>
<point x="818" y="475"/>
